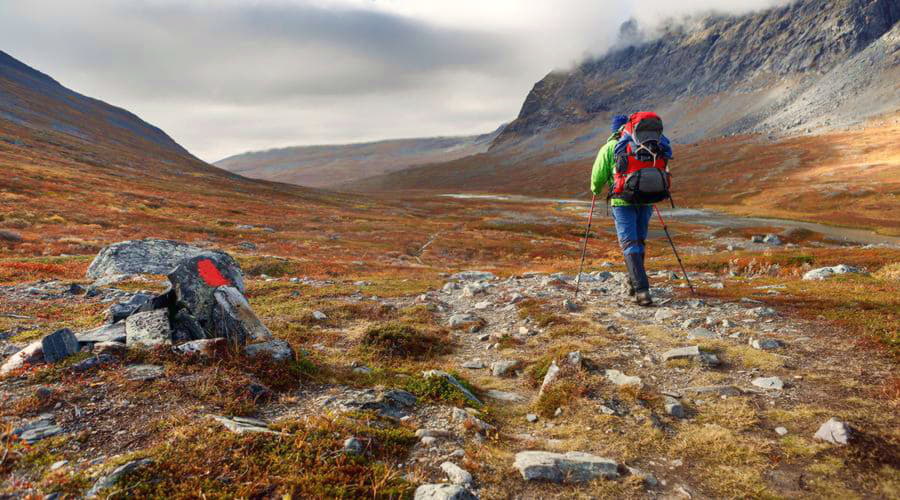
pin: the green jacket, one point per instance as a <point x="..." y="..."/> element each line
<point x="602" y="173"/>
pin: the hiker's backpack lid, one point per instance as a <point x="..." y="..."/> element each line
<point x="644" y="126"/>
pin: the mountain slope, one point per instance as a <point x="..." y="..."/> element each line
<point x="327" y="166"/>
<point x="33" y="99"/>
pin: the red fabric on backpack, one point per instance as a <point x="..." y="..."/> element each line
<point x="628" y="164"/>
<point x="634" y="119"/>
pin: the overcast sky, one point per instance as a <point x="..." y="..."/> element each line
<point x="227" y="76"/>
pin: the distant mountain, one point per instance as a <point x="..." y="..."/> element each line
<point x="329" y="166"/>
<point x="33" y="100"/>
<point x="807" y="67"/>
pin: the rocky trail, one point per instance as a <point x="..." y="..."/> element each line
<point x="691" y="397"/>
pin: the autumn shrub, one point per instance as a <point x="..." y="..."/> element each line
<point x="396" y="339"/>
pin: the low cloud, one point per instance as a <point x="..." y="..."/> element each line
<point x="226" y="76"/>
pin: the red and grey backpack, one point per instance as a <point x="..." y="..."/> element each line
<point x="642" y="157"/>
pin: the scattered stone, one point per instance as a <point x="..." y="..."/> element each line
<point x="143" y="373"/>
<point x="241" y="425"/>
<point x="428" y="440"/>
<point x="234" y="319"/>
<point x="474" y="364"/>
<point x="691" y="352"/>
<point x="120" y="311"/>
<point x="91" y="363"/>
<point x="781" y="431"/>
<point x="574" y="358"/>
<point x="59" y="464"/>
<point x="473" y="422"/>
<point x="620" y="379"/>
<point x="571" y="467"/>
<point x="148" y="329"/>
<point x="834" y="431"/>
<point x="690" y="323"/>
<point x="43" y="429"/>
<point x="202" y="347"/>
<point x="473" y="276"/>
<point x="110" y="480"/>
<point x="105" y="333"/>
<point x="505" y="367"/>
<point x="827" y="272"/>
<point x="721" y="390"/>
<point x="278" y="350"/>
<point x="473" y="290"/>
<point x="454" y="382"/>
<point x="765" y="344"/>
<point x="443" y="491"/>
<point x="700" y="333"/>
<point x="458" y="320"/>
<point x="59" y="345"/>
<point x="456" y="474"/>
<point x="570" y="305"/>
<point x="531" y="418"/>
<point x="149" y="256"/>
<point x="649" y="479"/>
<point x="772" y="383"/>
<point x="352" y="446"/>
<point x="674" y="407"/>
<point x="664" y="313"/>
<point x="483" y="305"/>
<point x="772" y="239"/>
<point x="763" y="312"/>
<point x="550" y="377"/>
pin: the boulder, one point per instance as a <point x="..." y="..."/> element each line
<point x="122" y="310"/>
<point x="105" y="333"/>
<point x="110" y="480"/>
<point x="443" y="491"/>
<point x="277" y="350"/>
<point x="456" y="474"/>
<point x="148" y="329"/>
<point x="32" y="354"/>
<point x="571" y="467"/>
<point x="196" y="280"/>
<point x="185" y="327"/>
<point x="59" y="345"/>
<point x="234" y="319"/>
<point x="827" y="272"/>
<point x="149" y="256"/>
<point x="504" y="367"/>
<point x="834" y="431"/>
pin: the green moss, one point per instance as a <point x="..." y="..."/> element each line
<point x="439" y="389"/>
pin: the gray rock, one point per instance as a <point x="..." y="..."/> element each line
<point x="59" y="345"/>
<point x="827" y="272"/>
<point x="473" y="364"/>
<point x="571" y="467"/>
<point x="620" y="379"/>
<point x="110" y="480"/>
<point x="531" y="418"/>
<point x="700" y="333"/>
<point x="781" y="431"/>
<point x="185" y="327"/>
<point x="649" y="479"/>
<point x="148" y="329"/>
<point x="550" y="377"/>
<point x="505" y="367"/>
<point x="765" y="344"/>
<point x="352" y="446"/>
<point x="202" y="347"/>
<point x="473" y="276"/>
<point x="570" y="305"/>
<point x="574" y="358"/>
<point x="91" y="363"/>
<point x="43" y="430"/>
<point x="691" y="352"/>
<point x="834" y="431"/>
<point x="458" y="320"/>
<point x="143" y="372"/>
<point x="674" y="407"/>
<point x="32" y="354"/>
<point x="772" y="239"/>
<point x="771" y="383"/>
<point x="149" y="256"/>
<point x="443" y="491"/>
<point x="242" y="425"/>
<point x="319" y="316"/>
<point x="105" y="333"/>
<point x="453" y="382"/>
<point x="690" y="323"/>
<point x="195" y="281"/>
<point x="120" y="311"/>
<point x="664" y="313"/>
<point x="234" y="319"/>
<point x="721" y="390"/>
<point x="110" y="348"/>
<point x="485" y="304"/>
<point x="456" y="474"/>
<point x="277" y="350"/>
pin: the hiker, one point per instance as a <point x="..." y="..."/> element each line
<point x="632" y="164"/>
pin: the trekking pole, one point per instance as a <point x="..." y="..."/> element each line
<point x="584" y="247"/>
<point x="674" y="250"/>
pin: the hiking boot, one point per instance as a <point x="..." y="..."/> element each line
<point x="643" y="298"/>
<point x="638" y="277"/>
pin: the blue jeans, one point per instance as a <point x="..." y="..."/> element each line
<point x="632" y="223"/>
